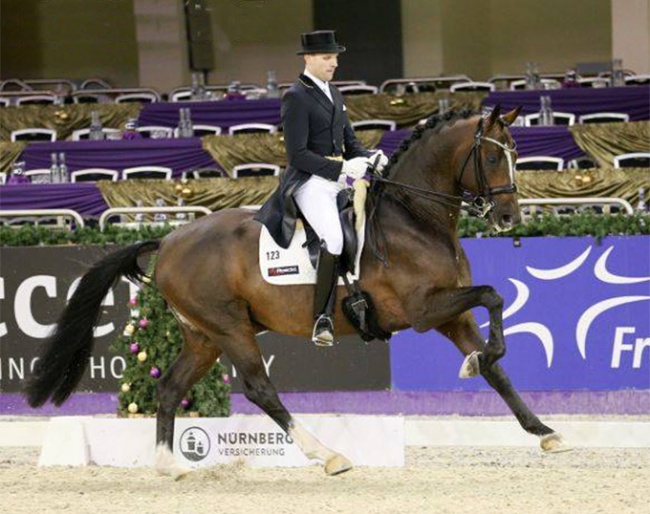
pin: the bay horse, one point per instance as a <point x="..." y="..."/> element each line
<point x="417" y="275"/>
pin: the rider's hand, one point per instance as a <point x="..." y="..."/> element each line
<point x="383" y="160"/>
<point x="355" y="168"/>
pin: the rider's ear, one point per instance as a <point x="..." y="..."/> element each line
<point x="511" y="116"/>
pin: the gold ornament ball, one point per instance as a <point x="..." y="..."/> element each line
<point x="178" y="188"/>
<point x="125" y="388"/>
<point x="129" y="329"/>
<point x="187" y="192"/>
<point x="132" y="408"/>
<point x="142" y="356"/>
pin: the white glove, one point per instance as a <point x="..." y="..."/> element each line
<point x="356" y="168"/>
<point x="383" y="160"/>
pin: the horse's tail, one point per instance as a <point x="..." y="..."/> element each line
<point x="64" y="356"/>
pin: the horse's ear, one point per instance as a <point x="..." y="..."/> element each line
<point x="511" y="116"/>
<point x="494" y="115"/>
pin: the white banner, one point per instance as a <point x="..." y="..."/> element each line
<point x="256" y="440"/>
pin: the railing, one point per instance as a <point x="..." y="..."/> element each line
<point x="436" y="82"/>
<point x="115" y="211"/>
<point x="570" y="202"/>
<point x="40" y="214"/>
<point x="110" y="94"/>
<point x="61" y="214"/>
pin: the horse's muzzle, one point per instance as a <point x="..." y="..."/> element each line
<point x="504" y="220"/>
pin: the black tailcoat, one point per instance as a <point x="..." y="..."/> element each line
<point x="314" y="129"/>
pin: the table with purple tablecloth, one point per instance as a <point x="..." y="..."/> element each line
<point x="555" y="141"/>
<point x="223" y="113"/>
<point x="178" y="154"/>
<point x="83" y="197"/>
<point x="632" y="100"/>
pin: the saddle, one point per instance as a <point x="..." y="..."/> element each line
<point x="357" y="306"/>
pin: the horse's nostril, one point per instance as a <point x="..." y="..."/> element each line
<point x="507" y="222"/>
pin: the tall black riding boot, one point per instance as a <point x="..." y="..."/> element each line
<point x="324" y="297"/>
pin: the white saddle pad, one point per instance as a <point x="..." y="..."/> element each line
<point x="292" y="266"/>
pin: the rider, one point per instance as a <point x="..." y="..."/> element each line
<point x="322" y="152"/>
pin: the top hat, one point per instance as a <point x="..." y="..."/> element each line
<point x="320" y="42"/>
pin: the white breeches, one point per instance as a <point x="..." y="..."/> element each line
<point x="317" y="201"/>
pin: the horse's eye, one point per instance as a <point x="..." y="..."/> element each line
<point x="492" y="159"/>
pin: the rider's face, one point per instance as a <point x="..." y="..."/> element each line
<point x="322" y="66"/>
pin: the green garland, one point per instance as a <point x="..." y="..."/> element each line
<point x="585" y="223"/>
<point x="580" y="224"/>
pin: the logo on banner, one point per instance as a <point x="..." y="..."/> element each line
<point x="195" y="444"/>
<point x="575" y="317"/>
<point x="248" y="443"/>
<point x="589" y="316"/>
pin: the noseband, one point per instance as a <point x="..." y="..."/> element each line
<point x="482" y="202"/>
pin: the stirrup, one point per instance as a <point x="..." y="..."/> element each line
<point x="323" y="334"/>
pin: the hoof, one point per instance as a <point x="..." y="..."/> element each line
<point x="470" y="366"/>
<point x="554" y="443"/>
<point x="180" y="473"/>
<point x="166" y="464"/>
<point x="337" y="465"/>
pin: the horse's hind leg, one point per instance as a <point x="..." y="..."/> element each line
<point x="195" y="359"/>
<point x="245" y="354"/>
<point x="466" y="336"/>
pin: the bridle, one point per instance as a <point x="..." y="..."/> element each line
<point x="480" y="204"/>
<point x="482" y="201"/>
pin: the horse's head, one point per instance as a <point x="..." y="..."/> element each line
<point x="487" y="175"/>
<point x="459" y="156"/>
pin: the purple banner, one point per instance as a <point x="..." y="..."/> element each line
<point x="576" y="317"/>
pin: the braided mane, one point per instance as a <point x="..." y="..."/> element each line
<point x="435" y="121"/>
<point x="375" y="234"/>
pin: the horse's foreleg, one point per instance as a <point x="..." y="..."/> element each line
<point x="466" y="336"/>
<point x="259" y="390"/>
<point x="194" y="360"/>
<point x="443" y="305"/>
